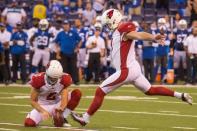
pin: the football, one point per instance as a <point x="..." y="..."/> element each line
<point x="58" y="119"/>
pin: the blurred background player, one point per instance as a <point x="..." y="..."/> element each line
<point x="180" y="61"/>
<point x="96" y="48"/>
<point x="68" y="43"/>
<point x="54" y="29"/>
<point x="41" y="40"/>
<point x="148" y="55"/>
<point x="81" y="57"/>
<point x="18" y="50"/>
<point x="127" y="68"/>
<point x="5" y="37"/>
<point x="162" y="50"/>
<point x="50" y="96"/>
<point x="191" y="51"/>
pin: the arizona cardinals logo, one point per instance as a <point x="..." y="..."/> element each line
<point x="110" y="14"/>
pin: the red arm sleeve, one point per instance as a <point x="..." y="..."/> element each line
<point x="126" y="27"/>
<point x="37" y="81"/>
<point x="66" y="80"/>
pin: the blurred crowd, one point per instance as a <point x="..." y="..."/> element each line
<point x="34" y="32"/>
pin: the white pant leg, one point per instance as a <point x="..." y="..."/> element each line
<point x="46" y="57"/>
<point x="81" y="57"/>
<point x="137" y="78"/>
<point x="177" y="59"/>
<point x="142" y="83"/>
<point x="114" y="81"/>
<point x="36" y="57"/>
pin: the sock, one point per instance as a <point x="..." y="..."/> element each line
<point x="75" y="98"/>
<point x="66" y="112"/>
<point x="97" y="101"/>
<point x="160" y="91"/>
<point x="178" y="95"/>
<point x="86" y="117"/>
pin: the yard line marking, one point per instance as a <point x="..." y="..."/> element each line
<point x="146" y="113"/>
<point x="67" y="128"/>
<point x="6" y="104"/>
<point x="127" y="128"/>
<point x="12" y="124"/>
<point x="189" y="128"/>
<point x="7" y="129"/>
<point x="16" y="97"/>
<point x="95" y="85"/>
<point x="51" y="127"/>
<point x="141" y="99"/>
<point x="169" y="111"/>
<point x="8" y="93"/>
<point x="125" y="98"/>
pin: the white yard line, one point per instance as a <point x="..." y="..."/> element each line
<point x="142" y="99"/>
<point x="51" y="127"/>
<point x="169" y="111"/>
<point x="142" y="112"/>
<point x="9" y="93"/>
<point x="127" y="128"/>
<point x="188" y="128"/>
<point x="7" y="129"/>
<point x="6" y="104"/>
<point x="96" y="85"/>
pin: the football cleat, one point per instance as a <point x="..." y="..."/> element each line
<point x="187" y="98"/>
<point x="66" y="124"/>
<point x="79" y="118"/>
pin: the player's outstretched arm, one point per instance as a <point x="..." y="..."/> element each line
<point x="34" y="103"/>
<point x="64" y="100"/>
<point x="144" y="36"/>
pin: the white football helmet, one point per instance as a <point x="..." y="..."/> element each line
<point x="98" y="19"/>
<point x="98" y="25"/>
<point x="182" y="24"/>
<point x="111" y="18"/>
<point x="43" y="24"/>
<point x="161" y="22"/>
<point x="54" y="71"/>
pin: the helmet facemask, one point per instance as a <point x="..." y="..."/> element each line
<point x="43" y="27"/>
<point x="50" y="80"/>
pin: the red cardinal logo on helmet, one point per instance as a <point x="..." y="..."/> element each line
<point x="110" y="14"/>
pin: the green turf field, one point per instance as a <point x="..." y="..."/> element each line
<point x="124" y="109"/>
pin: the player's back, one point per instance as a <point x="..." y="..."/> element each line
<point x="49" y="94"/>
<point x="123" y="51"/>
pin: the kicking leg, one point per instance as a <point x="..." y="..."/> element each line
<point x="142" y="83"/>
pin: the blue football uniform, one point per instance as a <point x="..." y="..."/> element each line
<point x="42" y="39"/>
<point x="180" y="36"/>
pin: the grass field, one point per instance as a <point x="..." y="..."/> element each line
<point x="124" y="109"/>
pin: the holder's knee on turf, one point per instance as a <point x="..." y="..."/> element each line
<point x="29" y="123"/>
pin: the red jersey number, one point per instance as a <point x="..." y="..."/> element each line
<point x="52" y="96"/>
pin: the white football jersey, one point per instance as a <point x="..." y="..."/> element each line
<point x="122" y="52"/>
<point x="49" y="94"/>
